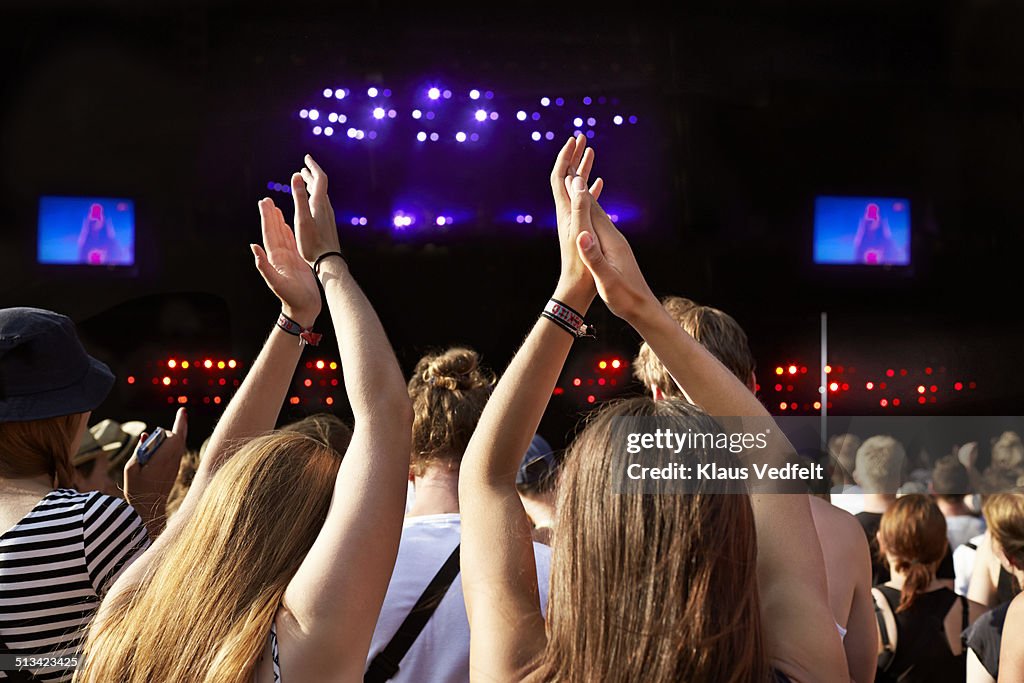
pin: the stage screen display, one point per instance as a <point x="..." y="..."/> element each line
<point x="862" y="231"/>
<point x="91" y="231"/>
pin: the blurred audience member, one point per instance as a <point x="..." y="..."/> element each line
<point x="536" y="481"/>
<point x="101" y="457"/>
<point x="950" y="483"/>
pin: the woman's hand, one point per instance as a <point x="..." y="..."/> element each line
<point x="609" y="259"/>
<point x="315" y="229"/>
<point x="284" y="270"/>
<point x="147" y="486"/>
<point x="570" y="175"/>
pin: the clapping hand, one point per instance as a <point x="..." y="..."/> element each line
<point x="285" y="271"/>
<point x="570" y="176"/>
<point x="315" y="229"/>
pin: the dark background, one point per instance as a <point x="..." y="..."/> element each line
<point x="747" y="111"/>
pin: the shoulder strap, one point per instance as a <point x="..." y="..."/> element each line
<point x="888" y="653"/>
<point x="965" y="618"/>
<point x="384" y="666"/>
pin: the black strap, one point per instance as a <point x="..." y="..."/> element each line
<point x="965" y="617"/>
<point x="384" y="666"/>
<point x="888" y="654"/>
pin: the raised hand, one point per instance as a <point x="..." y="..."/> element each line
<point x="147" y="486"/>
<point x="610" y="260"/>
<point x="315" y="229"/>
<point x="285" y="271"/>
<point x="570" y="174"/>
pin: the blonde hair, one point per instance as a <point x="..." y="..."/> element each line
<point x="713" y="329"/>
<point x="1008" y="451"/>
<point x="34" y="447"/>
<point x="203" y="610"/>
<point x="1004" y="513"/>
<point x="449" y="391"/>
<point x="880" y="461"/>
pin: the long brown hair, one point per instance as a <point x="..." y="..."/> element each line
<point x="34" y="447"/>
<point x="1004" y="513"/>
<point x="650" y="586"/>
<point x="449" y="391"/>
<point x="203" y="610"/>
<point x="913" y="534"/>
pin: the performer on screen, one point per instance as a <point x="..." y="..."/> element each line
<point x="97" y="243"/>
<point x="873" y="244"/>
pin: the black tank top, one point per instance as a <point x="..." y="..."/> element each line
<point x="922" y="648"/>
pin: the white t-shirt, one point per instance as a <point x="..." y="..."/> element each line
<point x="963" y="564"/>
<point x="849" y="498"/>
<point x="441" y="651"/>
<point x="962" y="528"/>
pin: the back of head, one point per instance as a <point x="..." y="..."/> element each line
<point x="203" y="612"/>
<point x="950" y="480"/>
<point x="1008" y="451"/>
<point x="35" y="447"/>
<point x="843" y="449"/>
<point x="913" y="534"/>
<point x="326" y="428"/>
<point x="636" y="571"/>
<point x="1004" y="513"/>
<point x="449" y="391"/>
<point x="713" y="329"/>
<point x="879" y="464"/>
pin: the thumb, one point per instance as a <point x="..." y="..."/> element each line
<point x="580" y="204"/>
<point x="263" y="262"/>
<point x="181" y="423"/>
<point x="593" y="258"/>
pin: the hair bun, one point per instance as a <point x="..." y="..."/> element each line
<point x="456" y="369"/>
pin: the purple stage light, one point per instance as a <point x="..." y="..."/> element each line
<point x="590" y="134"/>
<point x="489" y="95"/>
<point x="416" y="113"/>
<point x="632" y="119"/>
<point x="577" y="122"/>
<point x="354" y="221"/>
<point x="460" y="136"/>
<point x="328" y="92"/>
<point x="379" y="113"/>
<point x="313" y="114"/>
<point x="591" y="121"/>
<point x="270" y="185"/>
<point x="303" y="113"/>
<point x="362" y="220"/>
<point x="617" y="120"/>
<point x="559" y="101"/>
<point x="474" y="94"/>
<point x="360" y="135"/>
<point x="434" y="93"/>
<point x="351" y="132"/>
<point x="447" y="94"/>
<point x="372" y="135"/>
<point x="519" y="218"/>
<point x="372" y="92"/>
<point x="493" y="116"/>
<point x="434" y="137"/>
<point x="577" y="133"/>
<point x="342" y="118"/>
<point x="332" y="117"/>
<point x="328" y="131"/>
<point x="545" y="101"/>
<point x="481" y="115"/>
<point x="527" y="218"/>
<point x="400" y="220"/>
<point x="587" y="100"/>
<point x="535" y="116"/>
<point x="421" y="136"/>
<point x="339" y="94"/>
<point x="521" y="115"/>
<point x="317" y="130"/>
<point x="549" y="135"/>
<point x="392" y="113"/>
<point x="535" y="135"/>
<point x="474" y="137"/>
<point x="441" y="220"/>
<point x="430" y="116"/>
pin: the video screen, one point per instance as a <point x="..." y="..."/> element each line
<point x="863" y="231"/>
<point x="89" y="231"/>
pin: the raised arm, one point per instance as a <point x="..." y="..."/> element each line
<point x="336" y="595"/>
<point x="797" y="625"/>
<point x="256" y="405"/>
<point x="499" y="579"/>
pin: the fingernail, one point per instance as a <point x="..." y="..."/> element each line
<point x="586" y="241"/>
<point x="579" y="184"/>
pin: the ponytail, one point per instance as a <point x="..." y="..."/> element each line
<point x="913" y="533"/>
<point x="917" y="578"/>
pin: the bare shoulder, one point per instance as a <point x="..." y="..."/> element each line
<point x="837" y="527"/>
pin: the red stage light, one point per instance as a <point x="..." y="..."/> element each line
<point x="308" y="382"/>
<point x="603" y="364"/>
<point x="221" y="364"/>
<point x="903" y="372"/>
<point x="294" y="400"/>
<point x="834" y="386"/>
<point x="778" y="387"/>
<point x="222" y="381"/>
<point x="172" y="363"/>
<point x="577" y="381"/>
<point x="309" y="364"/>
<point x="616" y="364"/>
<point x="601" y="381"/>
<point x="882" y="386"/>
<point x="232" y="364"/>
<point x="927" y="371"/>
<point x="972" y="385"/>
<point x="933" y="388"/>
<point x="170" y="399"/>
<point x="895" y="401"/>
<point x="890" y="373"/>
<point x="828" y="369"/>
<point x="334" y="382"/>
<point x="216" y="399"/>
<point x="319" y="365"/>
<point x="783" y="405"/>
<point x="793" y="406"/>
<point x="958" y="386"/>
<point x="166" y="381"/>
<point x="920" y="388"/>
<point x="183" y="399"/>
<point x="869" y="386"/>
<point x="803" y="369"/>
<point x="184" y="365"/>
<point x="329" y="400"/>
<point x="779" y="371"/>
<point x="792" y="369"/>
<point x="207" y="363"/>
<point x="922" y="399"/>
<point x="206" y="399"/>
<point x="846" y="387"/>
<point x="884" y="403"/>
<point x="591" y="398"/>
<point x="558" y="391"/>
<point x="131" y="380"/>
<point x="817" y="405"/>
<point x="333" y="366"/>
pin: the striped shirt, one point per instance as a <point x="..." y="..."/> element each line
<point x="55" y="564"/>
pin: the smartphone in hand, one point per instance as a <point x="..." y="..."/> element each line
<point x="150" y="445"/>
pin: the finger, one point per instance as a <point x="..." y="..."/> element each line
<point x="301" y="199"/>
<point x="597" y="188"/>
<point x="308" y="177"/>
<point x="266" y="207"/>
<point x="586" y="163"/>
<point x="180" y="427"/>
<point x="318" y="173"/>
<point x="559" y="173"/>
<point x="577" y="153"/>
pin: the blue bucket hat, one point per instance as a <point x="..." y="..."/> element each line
<point x="44" y="369"/>
<point x="538" y="463"/>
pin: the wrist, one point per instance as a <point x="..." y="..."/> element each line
<point x="303" y="316"/>
<point x="578" y="295"/>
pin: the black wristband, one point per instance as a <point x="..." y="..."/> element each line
<point x="321" y="257"/>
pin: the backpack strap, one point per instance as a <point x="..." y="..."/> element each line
<point x="384" y="665"/>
